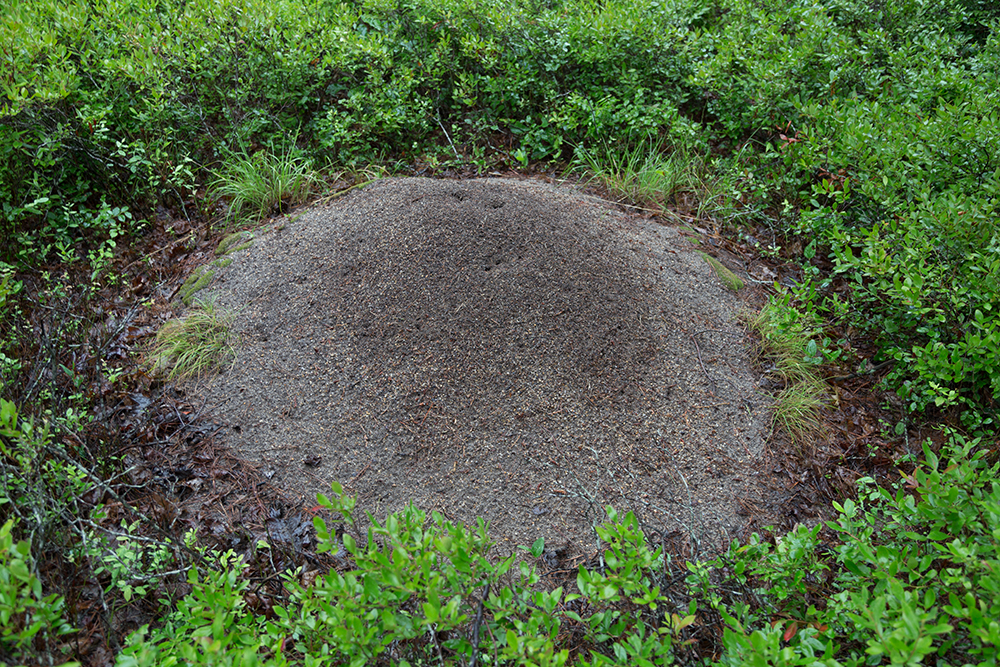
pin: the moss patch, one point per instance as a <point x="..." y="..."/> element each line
<point x="728" y="278"/>
<point x="234" y="242"/>
<point x="198" y="280"/>
<point x="203" y="275"/>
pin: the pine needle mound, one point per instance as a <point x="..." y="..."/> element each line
<point x="492" y="348"/>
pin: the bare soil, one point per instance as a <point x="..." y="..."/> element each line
<point x="492" y="348"/>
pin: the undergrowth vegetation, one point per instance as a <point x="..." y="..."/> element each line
<point x="861" y="138"/>
<point x="903" y="577"/>
<point x="195" y="344"/>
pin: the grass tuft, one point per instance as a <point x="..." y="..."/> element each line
<point x="264" y="183"/>
<point x="797" y="408"/>
<point x="193" y="345"/>
<point x="642" y="173"/>
<point x="784" y="339"/>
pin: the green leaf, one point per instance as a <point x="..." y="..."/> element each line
<point x="538" y="547"/>
<point x="20" y="570"/>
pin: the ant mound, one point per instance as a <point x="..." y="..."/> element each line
<point x="492" y="348"/>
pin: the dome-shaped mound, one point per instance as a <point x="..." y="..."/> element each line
<point x="490" y="348"/>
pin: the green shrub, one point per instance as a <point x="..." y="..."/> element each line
<point x="913" y="230"/>
<point x="125" y="101"/>
<point x="28" y="618"/>
<point x="37" y="493"/>
<point x="882" y="125"/>
<point x="911" y="577"/>
<point x="416" y="589"/>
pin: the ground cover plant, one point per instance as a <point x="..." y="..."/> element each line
<point x="193" y="345"/>
<point x="854" y="141"/>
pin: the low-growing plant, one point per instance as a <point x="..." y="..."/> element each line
<point x="32" y="624"/>
<point x="641" y="172"/>
<point x="264" y="183"/>
<point x="792" y="359"/>
<point x="788" y="339"/>
<point x="195" y="344"/>
<point x="797" y="408"/>
<point x="10" y="365"/>
<point x="910" y="578"/>
<point x="40" y="491"/>
<point x="38" y="483"/>
<point x="132" y="564"/>
<point x="421" y="590"/>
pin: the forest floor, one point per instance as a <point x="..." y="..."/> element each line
<point x="516" y="350"/>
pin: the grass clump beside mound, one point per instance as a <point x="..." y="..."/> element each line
<point x="263" y="183"/>
<point x="195" y="344"/>
<point x="642" y="173"/>
<point x="792" y="360"/>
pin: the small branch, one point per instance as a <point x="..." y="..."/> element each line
<point x="870" y="371"/>
<point x="441" y="125"/>
<point x="101" y="484"/>
<point x="705" y="370"/>
<point x="437" y="645"/>
<point x="479" y="622"/>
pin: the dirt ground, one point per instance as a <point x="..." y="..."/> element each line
<point x="492" y="348"/>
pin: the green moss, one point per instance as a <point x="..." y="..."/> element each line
<point x="198" y="280"/>
<point x="191" y="279"/>
<point x="244" y="239"/>
<point x="728" y="278"/>
<point x="223" y="263"/>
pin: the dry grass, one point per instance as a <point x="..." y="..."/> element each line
<point x="193" y="345"/>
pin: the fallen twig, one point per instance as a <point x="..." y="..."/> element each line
<point x="707" y="376"/>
